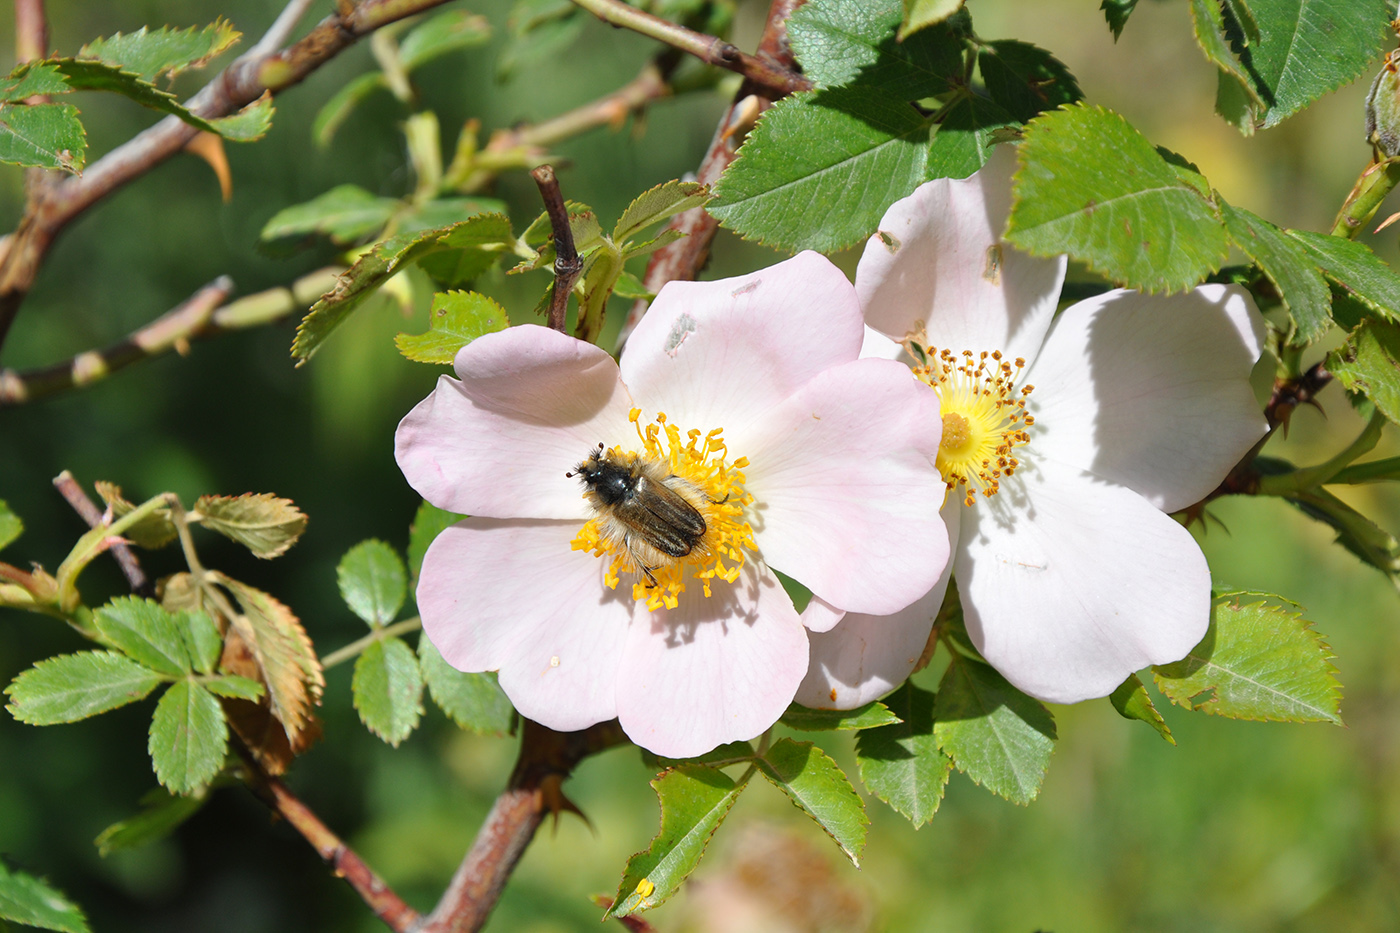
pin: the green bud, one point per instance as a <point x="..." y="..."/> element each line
<point x="1383" y="108"/>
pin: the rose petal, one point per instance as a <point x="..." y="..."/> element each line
<point x="938" y="259"/>
<point x="512" y="596"/>
<point x="713" y="670"/>
<point x="1151" y="391"/>
<point x="820" y="615"/>
<point x="1069" y="584"/>
<point x="530" y="405"/>
<point x="846" y="493"/>
<point x="877" y="346"/>
<point x="719" y="354"/>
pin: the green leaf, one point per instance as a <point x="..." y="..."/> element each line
<point x="35" y="903"/>
<point x="965" y="137"/>
<point x="920" y="14"/>
<point x="146" y="633"/>
<point x="444" y="212"/>
<point x="1025" y="80"/>
<point x="30" y="79"/>
<point x="901" y="763"/>
<point x="233" y="687"/>
<point x="1304" y="49"/>
<point x="388" y="689"/>
<point x="42" y="136"/>
<point x="994" y="733"/>
<point x="539" y="29"/>
<point x="722" y="756"/>
<point x="1369" y="363"/>
<point x="474" y="246"/>
<point x="473" y="701"/>
<point x="821" y="789"/>
<point x="10" y="525"/>
<point x="657" y="204"/>
<point x="338" y="108"/>
<point x="455" y="320"/>
<point x="249" y="124"/>
<point x="153" y="532"/>
<point x="1257" y="661"/>
<point x="1358" y="271"/>
<point x="357" y="283"/>
<point x="1132" y="702"/>
<point x="820" y="169"/>
<point x="188" y="737"/>
<point x="372" y="581"/>
<point x="441" y="34"/>
<point x="1288" y="266"/>
<point x="165" y="51"/>
<point x="1117" y="13"/>
<point x="841" y="43"/>
<point x="694" y="801"/>
<point x="428" y="522"/>
<point x="261" y="522"/>
<point x="161" y="813"/>
<point x="1094" y="187"/>
<point x="203" y="641"/>
<point x="344" y="213"/>
<point x="869" y="716"/>
<point x="1235" y="84"/>
<point x="1358" y="534"/>
<point x="75" y="686"/>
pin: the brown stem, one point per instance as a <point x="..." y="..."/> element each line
<point x="51" y="209"/>
<point x="70" y="490"/>
<point x="546" y="759"/>
<point x="683" y="259"/>
<point x="762" y="72"/>
<point x="342" y="859"/>
<point x="31" y="31"/>
<point x="567" y="264"/>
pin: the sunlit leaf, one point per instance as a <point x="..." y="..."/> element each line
<point x="1288" y="266"/>
<point x="657" y="204"/>
<point x="1257" y="661"/>
<point x="1360" y="273"/>
<point x="819" y="788"/>
<point x="388" y="689"/>
<point x="965" y="137"/>
<point x="168" y="51"/>
<point x="33" y="902"/>
<point x="42" y="136"/>
<point x="188" y="737"/>
<point x="1092" y="186"/>
<point x="474" y="245"/>
<point x="278" y="653"/>
<point x="920" y="14"/>
<point x="901" y="763"/>
<point x="146" y="633"/>
<point x="154" y="531"/>
<point x="455" y="320"/>
<point x="820" y="169"/>
<point x="372" y="581"/>
<point x="75" y="686"/>
<point x="32" y="78"/>
<point x="473" y="701"/>
<point x="994" y="733"/>
<point x="261" y="522"/>
<point x="841" y="43"/>
<point x="1132" y="702"/>
<point x="694" y="800"/>
<point x="10" y="525"/>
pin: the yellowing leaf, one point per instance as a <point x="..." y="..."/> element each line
<point x="263" y="523"/>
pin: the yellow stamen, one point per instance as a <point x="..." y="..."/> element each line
<point x="714" y="486"/>
<point x="984" y="415"/>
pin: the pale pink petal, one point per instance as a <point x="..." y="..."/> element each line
<point x="530" y="405"/>
<point x="820" y="615"/>
<point x="718" y="354"/>
<point x="866" y="656"/>
<point x="713" y="670"/>
<point x="877" y="346"/>
<point x="846" y="493"/>
<point x="1151" y="392"/>
<point x="512" y="596"/>
<point x="938" y="258"/>
<point x="1069" y="583"/>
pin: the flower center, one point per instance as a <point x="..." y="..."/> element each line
<point x="671" y="511"/>
<point x="984" y="416"/>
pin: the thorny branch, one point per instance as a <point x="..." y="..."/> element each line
<point x="75" y="496"/>
<point x="52" y="206"/>
<point x="683" y="259"/>
<point x="567" y="264"/>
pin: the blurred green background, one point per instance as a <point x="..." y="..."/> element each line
<point x="1241" y="827"/>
